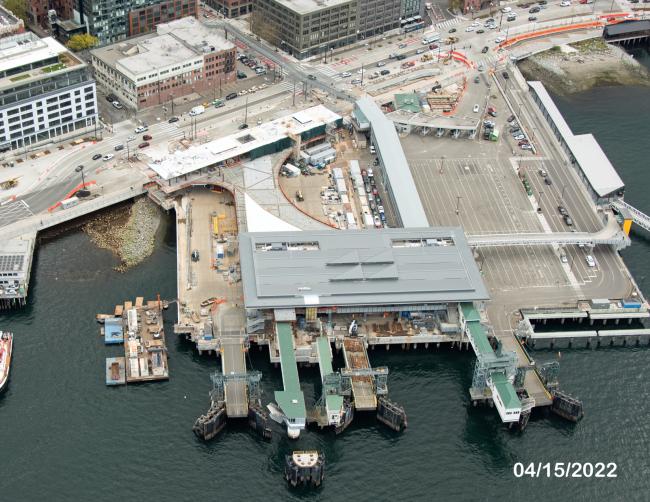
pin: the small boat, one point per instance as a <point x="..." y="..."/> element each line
<point x="6" y="345"/>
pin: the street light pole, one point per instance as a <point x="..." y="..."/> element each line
<point x="458" y="197"/>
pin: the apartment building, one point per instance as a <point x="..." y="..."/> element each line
<point x="114" y="20"/>
<point x="45" y="92"/>
<point x="182" y="57"/>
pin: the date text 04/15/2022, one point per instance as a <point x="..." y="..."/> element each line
<point x="565" y="470"/>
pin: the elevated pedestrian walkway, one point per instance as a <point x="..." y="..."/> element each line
<point x="291" y="400"/>
<point x="495" y="371"/>
<point x="638" y="217"/>
<point x="333" y="401"/>
<point x="611" y="235"/>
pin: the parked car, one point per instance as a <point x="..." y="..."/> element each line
<point x="172" y="120"/>
<point x="510" y="118"/>
<point x="118" y="148"/>
<point x="568" y="220"/>
<point x="144" y="144"/>
<point x="346" y="74"/>
<point x="241" y="74"/>
<point x="107" y="157"/>
<point x="97" y="156"/>
<point x="480" y="31"/>
<point x="505" y="75"/>
<point x="380" y="64"/>
<point x="548" y="181"/>
<point x="141" y="129"/>
<point x="534" y="10"/>
<point x="564" y="259"/>
<point x="117" y="105"/>
<point x="147" y="137"/>
<point x="562" y="210"/>
<point x="532" y="18"/>
<point x="519" y="137"/>
<point x="195" y="255"/>
<point x="355" y="81"/>
<point x="526" y="146"/>
<point x="476" y="108"/>
<point x="477" y="79"/>
<point x="402" y="46"/>
<point x="242" y="126"/>
<point x="590" y="260"/>
<point x="232" y="95"/>
<point x="384" y="72"/>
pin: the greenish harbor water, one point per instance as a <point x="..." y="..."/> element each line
<point x="65" y="436"/>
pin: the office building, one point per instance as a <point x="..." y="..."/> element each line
<point x="305" y="28"/>
<point x="45" y="92"/>
<point x="182" y="57"/>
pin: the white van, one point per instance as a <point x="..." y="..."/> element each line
<point x="197" y="110"/>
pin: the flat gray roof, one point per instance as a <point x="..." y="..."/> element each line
<point x="395" y="165"/>
<point x="307" y="6"/>
<point x="393" y="266"/>
<point x="595" y="165"/>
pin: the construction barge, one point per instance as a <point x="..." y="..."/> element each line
<point x="139" y="329"/>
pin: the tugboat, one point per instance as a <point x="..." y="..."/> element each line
<point x="6" y="344"/>
<point x="304" y="468"/>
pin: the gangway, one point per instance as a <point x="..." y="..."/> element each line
<point x="495" y="371"/>
<point x="638" y="217"/>
<point x="291" y="400"/>
<point x="332" y="400"/>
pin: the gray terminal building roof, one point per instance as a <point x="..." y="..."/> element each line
<point x="358" y="267"/>
<point x="593" y="162"/>
<point x="394" y="163"/>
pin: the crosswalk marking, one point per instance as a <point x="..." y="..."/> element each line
<point x="448" y="23"/>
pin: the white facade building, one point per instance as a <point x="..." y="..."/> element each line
<point x="45" y="92"/>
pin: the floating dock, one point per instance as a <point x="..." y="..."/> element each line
<point x="140" y="329"/>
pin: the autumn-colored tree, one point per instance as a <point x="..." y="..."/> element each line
<point x="18" y="7"/>
<point x="82" y="41"/>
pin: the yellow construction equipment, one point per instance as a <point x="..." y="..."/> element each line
<point x="6" y="185"/>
